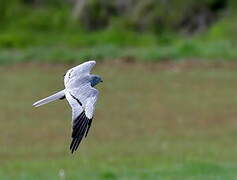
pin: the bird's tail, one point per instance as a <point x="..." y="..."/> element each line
<point x="56" y="96"/>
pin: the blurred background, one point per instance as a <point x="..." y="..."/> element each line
<point x="167" y="107"/>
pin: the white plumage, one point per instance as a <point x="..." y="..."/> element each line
<point x="81" y="96"/>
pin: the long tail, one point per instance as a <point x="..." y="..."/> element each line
<point x="56" y="96"/>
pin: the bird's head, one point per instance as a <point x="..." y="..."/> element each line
<point x="95" y="79"/>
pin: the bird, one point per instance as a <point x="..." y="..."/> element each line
<point x="81" y="94"/>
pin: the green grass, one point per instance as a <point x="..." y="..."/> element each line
<point x="181" y="49"/>
<point x="68" y="44"/>
<point x="153" y="121"/>
<point x="48" y="34"/>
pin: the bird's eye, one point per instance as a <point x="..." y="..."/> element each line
<point x="64" y="74"/>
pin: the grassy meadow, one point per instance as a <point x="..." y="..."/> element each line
<point x="169" y="120"/>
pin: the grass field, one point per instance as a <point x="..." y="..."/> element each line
<point x="156" y="121"/>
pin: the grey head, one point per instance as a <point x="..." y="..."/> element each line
<point x="95" y="79"/>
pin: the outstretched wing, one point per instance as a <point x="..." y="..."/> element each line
<point x="82" y="100"/>
<point x="78" y="72"/>
<point x="84" y="68"/>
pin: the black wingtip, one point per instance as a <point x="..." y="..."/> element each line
<point x="88" y="127"/>
<point x="75" y="144"/>
<point x="72" y="146"/>
<point x="80" y="129"/>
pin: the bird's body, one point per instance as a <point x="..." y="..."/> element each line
<point x="81" y="96"/>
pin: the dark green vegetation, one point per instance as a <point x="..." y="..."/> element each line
<point x="222" y="51"/>
<point x="138" y="29"/>
<point x="176" y="121"/>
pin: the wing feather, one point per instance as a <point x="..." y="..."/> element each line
<point x="89" y="126"/>
<point x="78" y="132"/>
<point x="78" y="72"/>
<point x="80" y="121"/>
<point x="88" y="96"/>
<point x="84" y="68"/>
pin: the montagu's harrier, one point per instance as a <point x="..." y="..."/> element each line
<point x="82" y="96"/>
